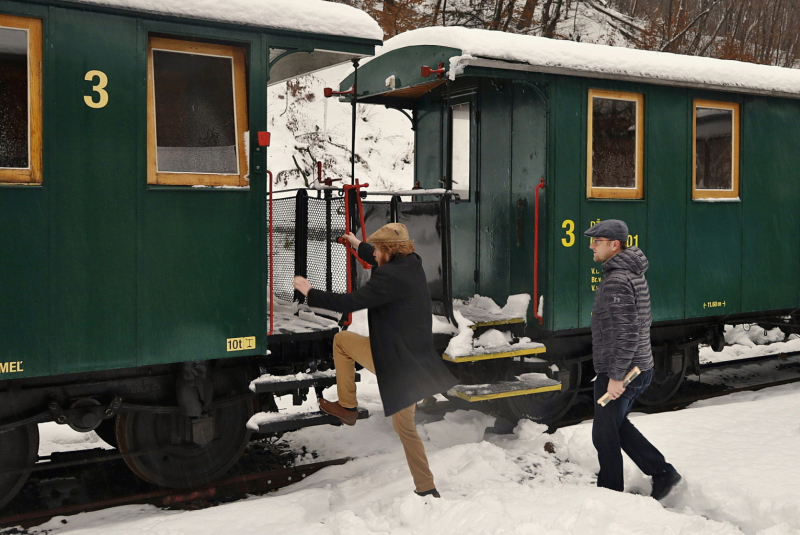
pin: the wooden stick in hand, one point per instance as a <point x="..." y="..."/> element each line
<point x="633" y="374"/>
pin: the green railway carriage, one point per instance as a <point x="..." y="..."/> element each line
<point x="133" y="228"/>
<point x="699" y="156"/>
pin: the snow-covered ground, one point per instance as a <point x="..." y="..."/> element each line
<point x="738" y="456"/>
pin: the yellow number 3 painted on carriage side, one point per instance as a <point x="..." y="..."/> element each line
<point x="99" y="88"/>
<point x="569" y="226"/>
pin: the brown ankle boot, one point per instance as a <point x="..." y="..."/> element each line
<point x="348" y="417"/>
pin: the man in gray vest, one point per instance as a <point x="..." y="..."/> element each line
<point x="621" y="319"/>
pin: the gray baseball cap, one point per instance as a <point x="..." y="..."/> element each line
<point x="612" y="229"/>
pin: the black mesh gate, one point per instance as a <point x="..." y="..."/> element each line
<point x="305" y="229"/>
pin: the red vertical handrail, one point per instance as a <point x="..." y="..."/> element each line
<point x="271" y="263"/>
<point x="347" y="229"/>
<point x="536" y="254"/>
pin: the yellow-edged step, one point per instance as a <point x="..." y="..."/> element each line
<point x="531" y="383"/>
<point x="499" y="355"/>
<point x="495" y="323"/>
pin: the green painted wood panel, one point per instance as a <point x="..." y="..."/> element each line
<point x="496" y="223"/>
<point x="575" y="274"/>
<point x="25" y="268"/>
<point x="90" y="170"/>
<point x="668" y="184"/>
<point x="528" y="167"/>
<point x="199" y="274"/>
<point x="770" y="189"/>
<point x="24" y="263"/>
<point x="565" y="190"/>
<point x="202" y="269"/>
<point x="713" y="242"/>
<point x="713" y="259"/>
<point x="430" y="170"/>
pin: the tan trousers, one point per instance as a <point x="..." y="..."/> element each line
<point x="349" y="348"/>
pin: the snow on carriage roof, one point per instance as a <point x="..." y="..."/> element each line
<point x="600" y="61"/>
<point x="312" y="16"/>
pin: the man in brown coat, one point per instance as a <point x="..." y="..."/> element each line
<point x="399" y="349"/>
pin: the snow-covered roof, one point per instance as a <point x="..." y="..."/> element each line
<point x="523" y="52"/>
<point x="311" y="16"/>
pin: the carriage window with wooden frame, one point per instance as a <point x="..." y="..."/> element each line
<point x="615" y="145"/>
<point x="715" y="168"/>
<point x="20" y="100"/>
<point x="197" y="114"/>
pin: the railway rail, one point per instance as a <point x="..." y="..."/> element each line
<point x="228" y="489"/>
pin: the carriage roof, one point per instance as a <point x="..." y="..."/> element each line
<point x="461" y="49"/>
<point x="306" y="16"/>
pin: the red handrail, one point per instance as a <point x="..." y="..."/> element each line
<point x="343" y="241"/>
<point x="271" y="263"/>
<point x="536" y="255"/>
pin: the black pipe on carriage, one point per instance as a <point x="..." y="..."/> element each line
<point x="301" y="239"/>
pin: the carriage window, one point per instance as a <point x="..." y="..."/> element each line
<point x="460" y="149"/>
<point x="716" y="150"/>
<point x="198" y="114"/>
<point x="615" y="145"/>
<point x="20" y="100"/>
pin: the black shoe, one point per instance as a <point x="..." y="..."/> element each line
<point x="664" y="483"/>
<point x="433" y="492"/>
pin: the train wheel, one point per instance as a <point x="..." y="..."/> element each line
<point x="170" y="461"/>
<point x="19" y="449"/>
<point x="547" y="407"/>
<point x="668" y="375"/>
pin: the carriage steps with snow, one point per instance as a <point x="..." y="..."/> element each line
<point x="529" y="383"/>
<point x="273" y="422"/>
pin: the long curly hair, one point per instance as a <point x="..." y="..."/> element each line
<point x="395" y="250"/>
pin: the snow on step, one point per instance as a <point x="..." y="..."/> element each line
<point x="529" y="383"/>
<point x="498" y="352"/>
<point x="482" y="311"/>
<point x="276" y="422"/>
<point x="492" y="344"/>
<point x="269" y="383"/>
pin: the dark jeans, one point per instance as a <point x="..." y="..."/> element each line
<point x="612" y="430"/>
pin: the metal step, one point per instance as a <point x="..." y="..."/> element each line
<point x="283" y="383"/>
<point x="505" y="352"/>
<point x="530" y="383"/>
<point x="496" y="323"/>
<point x="273" y="422"/>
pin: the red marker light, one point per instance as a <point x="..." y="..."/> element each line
<point x="263" y="139"/>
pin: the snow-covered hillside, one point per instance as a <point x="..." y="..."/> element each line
<point x="308" y="128"/>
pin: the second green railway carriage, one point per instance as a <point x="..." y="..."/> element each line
<point x="543" y="138"/>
